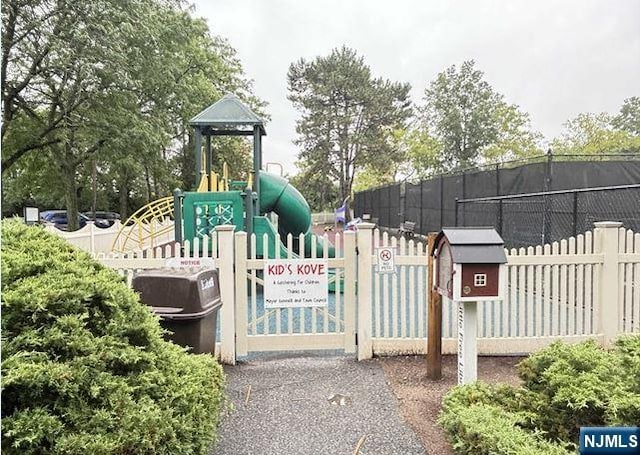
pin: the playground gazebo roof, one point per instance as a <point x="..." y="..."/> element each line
<point x="228" y="116"/>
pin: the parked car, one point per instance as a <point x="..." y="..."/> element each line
<point x="109" y="218"/>
<point x="59" y="219"/>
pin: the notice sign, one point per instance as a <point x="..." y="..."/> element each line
<point x="296" y="283"/>
<point x="196" y="263"/>
<point x="386" y="260"/>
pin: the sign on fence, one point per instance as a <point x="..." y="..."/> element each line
<point x="386" y="260"/>
<point x="296" y="283"/>
<point x="180" y="263"/>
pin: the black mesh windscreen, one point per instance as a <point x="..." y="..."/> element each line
<point x="431" y="204"/>
<point x="534" y="220"/>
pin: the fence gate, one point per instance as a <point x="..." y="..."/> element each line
<point x="279" y="329"/>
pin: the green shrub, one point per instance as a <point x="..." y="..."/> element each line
<point x="84" y="365"/>
<point x="475" y="426"/>
<point x="628" y="350"/>
<point x="563" y="388"/>
<point x="581" y="385"/>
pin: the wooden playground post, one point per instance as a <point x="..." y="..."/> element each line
<point x="434" y="332"/>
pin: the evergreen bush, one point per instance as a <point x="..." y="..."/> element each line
<point x="563" y="388"/>
<point x="84" y="365"/>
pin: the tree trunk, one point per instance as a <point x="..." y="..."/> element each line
<point x="156" y="185"/>
<point x="70" y="195"/>
<point x="148" y="180"/>
<point x="123" y="194"/>
<point x="94" y="201"/>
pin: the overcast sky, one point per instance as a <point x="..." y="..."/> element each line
<point x="553" y="58"/>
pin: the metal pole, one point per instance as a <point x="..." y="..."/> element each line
<point x="442" y="201"/>
<point x="257" y="164"/>
<point x="422" y="230"/>
<point x="198" y="152"/>
<point x="403" y="202"/>
<point x="464" y="184"/>
<point x="500" y="217"/>
<point x="575" y="213"/>
<point x="209" y="160"/>
<point x="248" y="208"/>
<point x="177" y="214"/>
<point x="546" y="216"/>
<point x="456" y="218"/>
<point x="548" y="177"/>
<point x="498" y="189"/>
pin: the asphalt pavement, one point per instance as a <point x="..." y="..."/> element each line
<point x="312" y="404"/>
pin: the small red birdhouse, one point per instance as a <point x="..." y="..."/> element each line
<point x="469" y="264"/>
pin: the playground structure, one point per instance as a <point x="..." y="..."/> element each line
<point x="219" y="200"/>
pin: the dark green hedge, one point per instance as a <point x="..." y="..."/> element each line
<point x="583" y="385"/>
<point x="563" y="388"/>
<point x="84" y="365"/>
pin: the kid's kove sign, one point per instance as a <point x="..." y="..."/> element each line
<point x="295" y="283"/>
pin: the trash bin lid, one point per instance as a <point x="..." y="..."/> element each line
<point x="178" y="291"/>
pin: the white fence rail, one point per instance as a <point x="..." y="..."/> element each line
<point x="580" y="288"/>
<point x="100" y="240"/>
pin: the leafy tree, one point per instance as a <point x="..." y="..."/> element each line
<point x="472" y="121"/>
<point x="629" y="117"/>
<point x="422" y="151"/>
<point x="317" y="187"/>
<point x="86" y="86"/>
<point x="369" y="177"/>
<point x="592" y="134"/>
<point x="515" y="137"/>
<point x="412" y="150"/>
<point x="347" y="115"/>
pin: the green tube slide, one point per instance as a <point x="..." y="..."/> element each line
<point x="294" y="214"/>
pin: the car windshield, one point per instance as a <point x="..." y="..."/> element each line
<point x="61" y="217"/>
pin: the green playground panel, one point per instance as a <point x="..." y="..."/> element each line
<point x="261" y="226"/>
<point x="202" y="212"/>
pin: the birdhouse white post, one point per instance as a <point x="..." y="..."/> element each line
<point x="470" y="267"/>
<point x="467" y="342"/>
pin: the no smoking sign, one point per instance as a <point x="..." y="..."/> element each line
<point x="386" y="260"/>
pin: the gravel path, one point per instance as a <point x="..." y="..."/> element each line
<point x="420" y="398"/>
<point x="289" y="411"/>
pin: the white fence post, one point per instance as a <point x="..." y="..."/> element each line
<point x="365" y="271"/>
<point x="227" y="312"/>
<point x="241" y="293"/>
<point x="350" y="262"/>
<point x="606" y="233"/>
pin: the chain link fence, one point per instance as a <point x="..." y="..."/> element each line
<point x="539" y="218"/>
<point x="431" y="203"/>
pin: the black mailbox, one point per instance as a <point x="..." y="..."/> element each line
<point x="187" y="302"/>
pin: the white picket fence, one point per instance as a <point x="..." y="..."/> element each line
<point x="587" y="287"/>
<point x="579" y="288"/>
<point x="100" y="240"/>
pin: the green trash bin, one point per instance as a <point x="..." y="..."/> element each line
<point x="187" y="302"/>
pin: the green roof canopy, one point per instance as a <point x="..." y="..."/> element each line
<point x="228" y="113"/>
